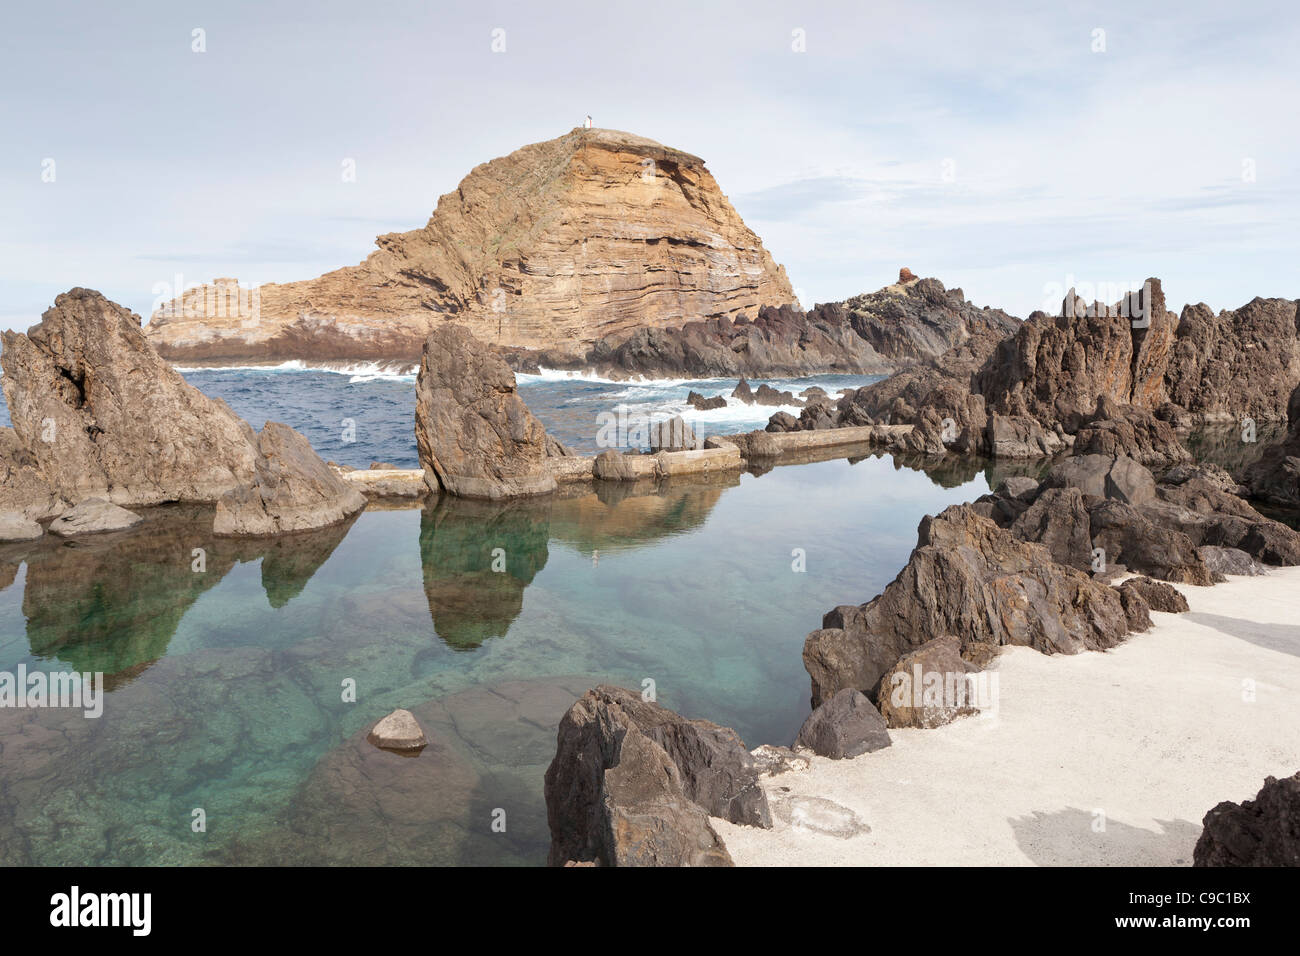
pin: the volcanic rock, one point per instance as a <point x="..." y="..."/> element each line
<point x="1158" y="595"/>
<point x="928" y="687"/>
<point x="699" y="402"/>
<point x="97" y="413"/>
<point x="846" y="725"/>
<point x="93" y="516"/>
<point x="1260" y="832"/>
<point x="1225" y="561"/>
<point x="633" y="784"/>
<point x="476" y="437"/>
<point x="1275" y="476"/>
<point x="15" y="527"/>
<point x="292" y="490"/>
<point x="966" y="577"/>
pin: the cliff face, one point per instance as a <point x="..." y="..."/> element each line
<point x="561" y="243"/>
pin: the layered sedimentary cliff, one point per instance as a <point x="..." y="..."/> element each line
<point x="561" y="243"/>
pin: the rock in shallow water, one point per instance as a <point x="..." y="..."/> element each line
<point x="398" y="731"/>
<point x="93" y="516"/>
<point x="476" y="437"/>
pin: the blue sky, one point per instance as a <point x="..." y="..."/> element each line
<point x="987" y="144"/>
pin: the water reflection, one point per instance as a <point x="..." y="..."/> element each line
<point x="112" y="603"/>
<point x="477" y="558"/>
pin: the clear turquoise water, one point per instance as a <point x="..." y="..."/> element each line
<point x="226" y="685"/>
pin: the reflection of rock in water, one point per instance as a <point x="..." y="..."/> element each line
<point x="478" y="557"/>
<point x="623" y="514"/>
<point x="1223" y="444"/>
<point x="289" y="561"/>
<point x="111" y="603"/>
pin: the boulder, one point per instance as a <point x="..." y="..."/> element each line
<point x="970" y="578"/>
<point x="1129" y="481"/>
<point x="1136" y="433"/>
<point x="14" y="526"/>
<point x="698" y="401"/>
<point x="1136" y="609"/>
<point x="743" y="392"/>
<point x="398" y="731"/>
<point x="476" y="437"/>
<point x="782" y="422"/>
<point x="1225" y="561"/>
<point x="766" y="395"/>
<point x="1260" y="832"/>
<point x="1104" y="476"/>
<point x="929" y="687"/>
<point x="1019" y="436"/>
<point x="93" y="516"/>
<point x="1021" y="487"/>
<point x="292" y="490"/>
<point x="1086" y="472"/>
<point x="1129" y="537"/>
<point x="633" y="783"/>
<point x="23" y="488"/>
<point x="846" y="725"/>
<point x="1157" y="595"/>
<point x="98" y="414"/>
<point x="1059" y="521"/>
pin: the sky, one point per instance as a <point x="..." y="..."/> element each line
<point x="1011" y="149"/>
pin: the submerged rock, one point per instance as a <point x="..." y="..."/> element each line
<point x="93" y="516"/>
<point x="476" y="437"/>
<point x="292" y="490"/>
<point x="1260" y="832"/>
<point x="847" y="725"/>
<point x="398" y="731"/>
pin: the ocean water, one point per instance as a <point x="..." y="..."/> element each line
<point x="361" y="414"/>
<point x="238" y="692"/>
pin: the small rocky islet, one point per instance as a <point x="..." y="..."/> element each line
<point x="1074" y="558"/>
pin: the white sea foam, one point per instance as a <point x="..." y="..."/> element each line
<point x="358" y="372"/>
